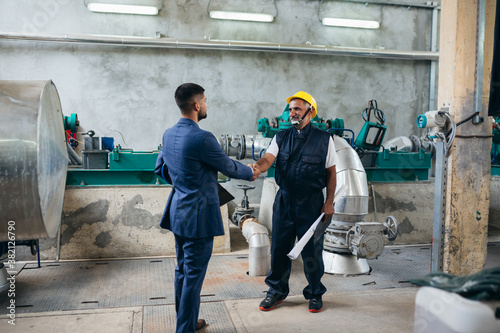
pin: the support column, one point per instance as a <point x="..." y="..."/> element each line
<point x="467" y="178"/>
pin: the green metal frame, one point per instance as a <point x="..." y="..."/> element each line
<point x="126" y="167"/>
<point x="399" y="166"/>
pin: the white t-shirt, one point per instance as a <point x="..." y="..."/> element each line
<point x="331" y="155"/>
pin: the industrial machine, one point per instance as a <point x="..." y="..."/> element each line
<point x="349" y="240"/>
<point x="401" y="158"/>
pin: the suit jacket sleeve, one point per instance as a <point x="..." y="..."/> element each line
<point x="161" y="168"/>
<point x="213" y="155"/>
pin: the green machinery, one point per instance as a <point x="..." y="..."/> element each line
<point x="104" y="164"/>
<point x="269" y="129"/>
<point x="389" y="165"/>
<point x="392" y="164"/>
<point x="125" y="167"/>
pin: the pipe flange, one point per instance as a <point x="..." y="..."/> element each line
<point x="243" y="218"/>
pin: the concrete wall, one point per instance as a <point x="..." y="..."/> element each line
<point x="115" y="222"/>
<point x="127" y="92"/>
<point x="120" y="222"/>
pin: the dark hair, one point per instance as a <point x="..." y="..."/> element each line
<point x="185" y="94"/>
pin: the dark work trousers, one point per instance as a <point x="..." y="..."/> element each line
<point x="286" y="227"/>
<point x="193" y="256"/>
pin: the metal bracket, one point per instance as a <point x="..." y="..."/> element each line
<point x="439" y="209"/>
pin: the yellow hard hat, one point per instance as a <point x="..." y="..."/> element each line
<point x="306" y="97"/>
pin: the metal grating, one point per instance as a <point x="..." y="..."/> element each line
<point x="493" y="257"/>
<point x="161" y="319"/>
<point x="148" y="282"/>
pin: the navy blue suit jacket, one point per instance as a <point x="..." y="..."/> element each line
<point x="189" y="160"/>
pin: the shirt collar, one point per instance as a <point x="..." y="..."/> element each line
<point x="303" y="133"/>
<point x="188" y="121"/>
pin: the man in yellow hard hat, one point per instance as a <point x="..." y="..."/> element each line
<point x="305" y="164"/>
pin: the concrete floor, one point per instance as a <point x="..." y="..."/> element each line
<point x="389" y="310"/>
<point x="377" y="310"/>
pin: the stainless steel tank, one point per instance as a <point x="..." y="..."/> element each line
<point x="33" y="159"/>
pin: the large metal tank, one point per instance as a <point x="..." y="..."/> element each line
<point x="33" y="159"/>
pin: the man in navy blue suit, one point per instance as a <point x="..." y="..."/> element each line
<point x="189" y="160"/>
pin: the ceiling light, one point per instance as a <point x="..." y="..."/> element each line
<point x="349" y="23"/>
<point x="123" y="7"/>
<point x="241" y="16"/>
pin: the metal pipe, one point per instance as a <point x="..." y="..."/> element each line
<point x="478" y="91"/>
<point x="374" y="203"/>
<point x="259" y="254"/>
<point x="210" y="44"/>
<point x="58" y="249"/>
<point x="433" y="72"/>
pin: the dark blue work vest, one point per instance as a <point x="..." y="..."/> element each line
<point x="300" y="172"/>
<point x="301" y="159"/>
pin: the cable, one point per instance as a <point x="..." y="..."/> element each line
<point x="462" y="121"/>
<point x="450" y="135"/>
<point x="474" y="136"/>
<point x="123" y="139"/>
<point x="208" y="7"/>
<point x="378" y="114"/>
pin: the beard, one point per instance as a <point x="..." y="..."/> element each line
<point x="295" y="121"/>
<point x="201" y="116"/>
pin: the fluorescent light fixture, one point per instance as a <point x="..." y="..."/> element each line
<point x="240" y="16"/>
<point x="349" y="23"/>
<point x="122" y="9"/>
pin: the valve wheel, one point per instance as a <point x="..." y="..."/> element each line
<point x="245" y="187"/>
<point x="391" y="225"/>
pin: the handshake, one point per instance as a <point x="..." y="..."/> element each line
<point x="256" y="170"/>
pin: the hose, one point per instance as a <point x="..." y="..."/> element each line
<point x="73" y="156"/>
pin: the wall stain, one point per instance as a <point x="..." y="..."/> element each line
<point x="92" y="213"/>
<point x="405" y="227"/>
<point x="392" y="204"/>
<point x="137" y="217"/>
<point x="103" y="239"/>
